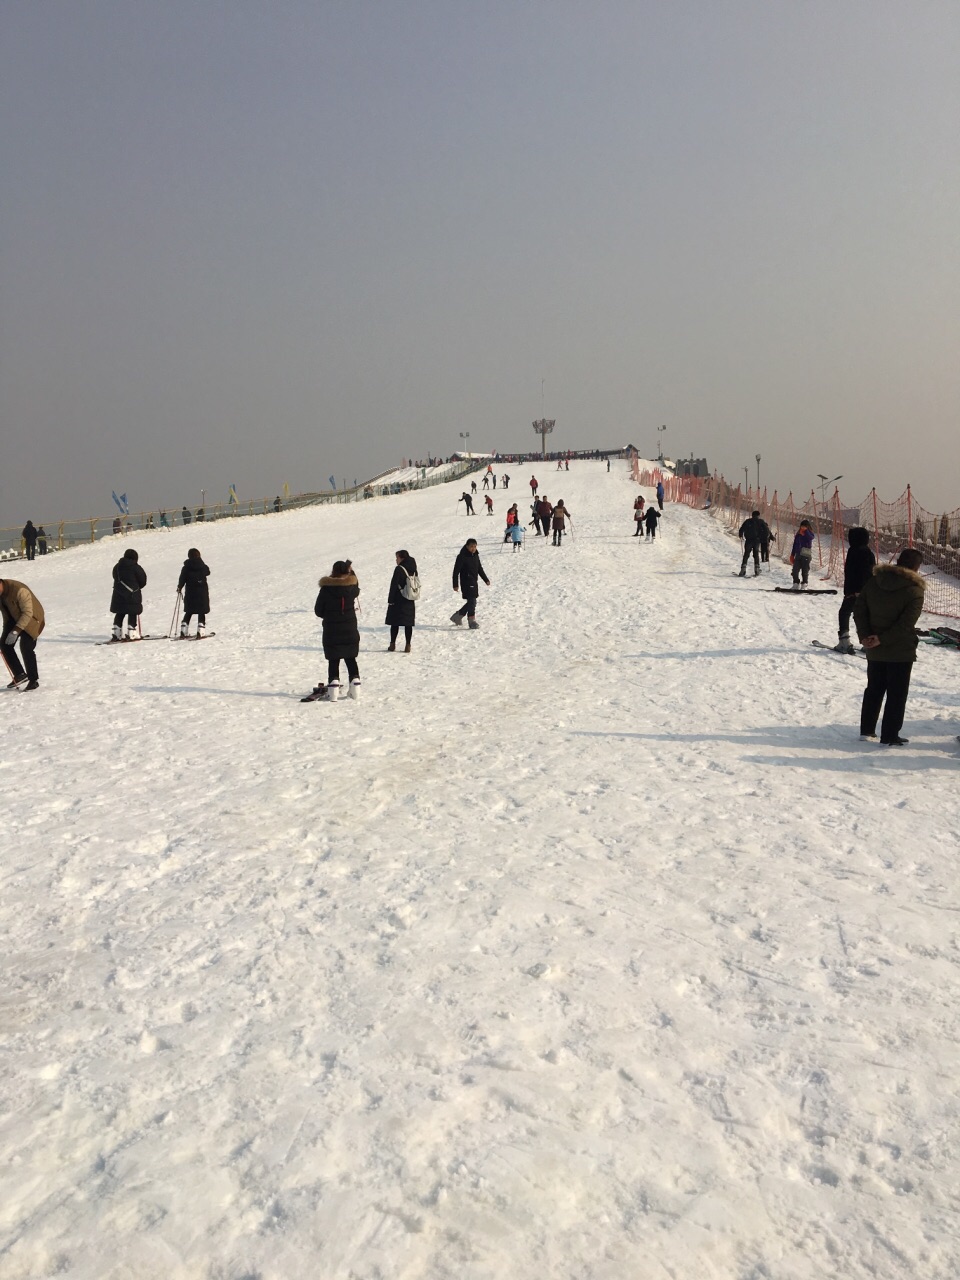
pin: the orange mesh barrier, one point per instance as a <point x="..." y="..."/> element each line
<point x="893" y="526"/>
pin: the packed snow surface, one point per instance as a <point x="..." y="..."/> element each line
<point x="590" y="944"/>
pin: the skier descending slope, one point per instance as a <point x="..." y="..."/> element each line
<point x="467" y="572"/>
<point x="337" y="606"/>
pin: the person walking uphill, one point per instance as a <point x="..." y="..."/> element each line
<point x="886" y="612"/>
<point x="560" y="517"/>
<point x="29" y="536"/>
<point x="401" y="605"/>
<point x="23" y="620"/>
<point x="467" y="572"/>
<point x="802" y="554"/>
<point x="651" y="520"/>
<point x="751" y="531"/>
<point x="337" y="606"/>
<point x="127" y="598"/>
<point x="196" y="593"/>
<point x="857" y="569"/>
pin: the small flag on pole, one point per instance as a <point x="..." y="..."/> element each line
<point x="121" y="502"/>
<point x="333" y="483"/>
<point x="233" y="499"/>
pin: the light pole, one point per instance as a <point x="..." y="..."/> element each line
<point x="758" y="473"/>
<point x="746" y="478"/>
<point x="660" y="431"/>
<point x="465" y="435"/>
<point x="823" y="486"/>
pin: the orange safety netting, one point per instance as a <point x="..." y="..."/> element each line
<point x="893" y="526"/>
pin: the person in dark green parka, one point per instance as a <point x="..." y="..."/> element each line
<point x="886" y="613"/>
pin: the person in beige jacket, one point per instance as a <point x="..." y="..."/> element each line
<point x="23" y="620"/>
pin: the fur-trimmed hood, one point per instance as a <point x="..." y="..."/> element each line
<point x="343" y="580"/>
<point x="894" y="577"/>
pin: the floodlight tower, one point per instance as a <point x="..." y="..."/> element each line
<point x="543" y="429"/>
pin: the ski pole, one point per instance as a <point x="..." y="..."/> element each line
<point x="176" y="611"/>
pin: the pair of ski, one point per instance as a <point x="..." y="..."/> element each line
<point x="207" y="636"/>
<point x="941" y="635"/>
<point x="841" y="653"/>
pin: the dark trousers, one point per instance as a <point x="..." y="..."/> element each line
<point x="557" y="535"/>
<point x="846" y="612"/>
<point x="407" y="634"/>
<point x="765" y="552"/>
<point x="801" y="567"/>
<point x="201" y="619"/>
<point x="31" y="550"/>
<point x="28" y="650"/>
<point x="470" y="608"/>
<point x="890" y="679"/>
<point x="333" y="670"/>
<point x="751" y="549"/>
<point x="130" y="617"/>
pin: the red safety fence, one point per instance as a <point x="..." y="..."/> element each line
<point x="893" y="526"/>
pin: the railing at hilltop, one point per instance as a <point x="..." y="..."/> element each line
<point x="892" y="525"/>
<point x="71" y="533"/>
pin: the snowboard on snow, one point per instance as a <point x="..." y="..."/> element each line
<point x="818" y="644"/>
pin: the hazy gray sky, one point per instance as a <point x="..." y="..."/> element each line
<point x="261" y="243"/>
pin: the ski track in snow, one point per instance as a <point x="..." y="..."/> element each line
<point x="592" y="944"/>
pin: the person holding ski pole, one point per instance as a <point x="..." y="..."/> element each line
<point x="651" y="519"/>
<point x="196" y="593"/>
<point x="465" y="497"/>
<point x="129" y="579"/>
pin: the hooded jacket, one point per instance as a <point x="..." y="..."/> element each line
<point x="193" y="583"/>
<point x="752" y="531"/>
<point x="20" y="608"/>
<point x="401" y="612"/>
<point x="859" y="563"/>
<point x="888" y="607"/>
<point x="467" y="572"/>
<point x="128" y="581"/>
<point x="337" y="606"/>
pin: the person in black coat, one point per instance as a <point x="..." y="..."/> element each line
<point x="127" y="601"/>
<point x="651" y="519"/>
<point x="196" y="592"/>
<point x="857" y="569"/>
<point x="401" y="612"/>
<point x="751" y="531"/>
<point x="337" y="606"/>
<point x="29" y="536"/>
<point x="467" y="572"/>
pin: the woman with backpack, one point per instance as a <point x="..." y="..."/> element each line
<point x="129" y="579"/>
<point x="402" y="600"/>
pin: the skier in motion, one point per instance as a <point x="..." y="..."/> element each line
<point x="751" y="532"/>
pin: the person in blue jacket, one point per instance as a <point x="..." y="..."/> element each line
<point x="801" y="554"/>
<point x="660" y="494"/>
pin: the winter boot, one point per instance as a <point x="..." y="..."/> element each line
<point x="743" y="571"/>
<point x="457" y="619"/>
<point x="474" y="624"/>
<point x="116" y="633"/>
<point x="354" y="690"/>
<point x="844" y="646"/>
<point x="333" y="691"/>
<point x="406" y="647"/>
<point x="183" y="631"/>
<point x="392" y="647"/>
<point x="756" y="571"/>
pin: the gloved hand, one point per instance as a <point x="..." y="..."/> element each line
<point x="791" y="559"/>
<point x="13" y="637"/>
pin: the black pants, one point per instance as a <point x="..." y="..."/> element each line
<point x="751" y="549"/>
<point x="201" y="619"/>
<point x="31" y="550"/>
<point x="893" y="680"/>
<point x="28" y="650"/>
<point x="557" y="535"/>
<point x="333" y="670"/>
<point x="765" y="552"/>
<point x="407" y="634"/>
<point x="801" y="568"/>
<point x="846" y="611"/>
<point x="130" y="617"/>
<point x="470" y="608"/>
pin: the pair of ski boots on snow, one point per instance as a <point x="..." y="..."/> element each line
<point x="845" y="645"/>
<point x="185" y="634"/>
<point x="331" y="692"/>
<point x="117" y="634"/>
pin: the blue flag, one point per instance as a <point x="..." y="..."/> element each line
<point x="121" y="502"/>
<point x="333" y="483"/>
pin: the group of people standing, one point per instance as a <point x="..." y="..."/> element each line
<point x="126" y="602"/>
<point x="547" y="517"/>
<point x="33" y="540"/>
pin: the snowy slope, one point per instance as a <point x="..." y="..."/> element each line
<point x="593" y="943"/>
